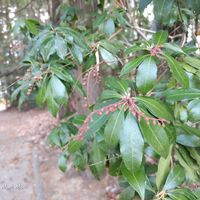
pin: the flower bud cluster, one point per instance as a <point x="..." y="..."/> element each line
<point x="155" y="51"/>
<point x="128" y="103"/>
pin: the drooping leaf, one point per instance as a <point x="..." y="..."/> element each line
<point x="146" y="75"/>
<point x="156" y="136"/>
<point x="175" y="178"/>
<point x="113" y="128"/>
<point x="131" y="144"/>
<point x="189" y="130"/>
<point x="137" y="180"/>
<point x="163" y="170"/>
<point x="60" y="47"/>
<point x="188" y="140"/>
<point x="156" y="107"/>
<point x="58" y="90"/>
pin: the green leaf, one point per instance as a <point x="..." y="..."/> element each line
<point x="175" y="178"/>
<point x="156" y="137"/>
<point x="96" y="123"/>
<point x="188" y="140"/>
<point x="74" y="146"/>
<point x="136" y="179"/>
<point x="109" y="27"/>
<point x="182" y="194"/>
<point x="146" y="75"/>
<point x="108" y="57"/>
<point x="97" y="160"/>
<point x="194" y="110"/>
<point x="115" y="166"/>
<point x="130" y="66"/>
<point x="188" y="129"/>
<point x="160" y="37"/>
<point x="156" y="107"/>
<point x="58" y="90"/>
<point x="177" y="71"/>
<point x="120" y="86"/>
<point x="190" y="172"/>
<point x="60" y="47"/>
<point x="173" y="47"/>
<point x="110" y="94"/>
<point x="131" y="144"/>
<point x="162" y="9"/>
<point x="144" y="4"/>
<point x="62" y="162"/>
<point x="163" y="170"/>
<point x="127" y="194"/>
<point x="114" y="127"/>
<point x="182" y="94"/>
<point x="77" y="53"/>
<point x="134" y="48"/>
<point x="194" y="62"/>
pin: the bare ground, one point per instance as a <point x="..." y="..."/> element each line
<point x="28" y="166"/>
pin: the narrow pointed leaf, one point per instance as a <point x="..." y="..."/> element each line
<point x="130" y="66"/>
<point x="175" y="178"/>
<point x="136" y="179"/>
<point x="131" y="144"/>
<point x="114" y="127"/>
<point x="156" y="137"/>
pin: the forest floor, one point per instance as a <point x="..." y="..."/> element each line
<point x="28" y="166"/>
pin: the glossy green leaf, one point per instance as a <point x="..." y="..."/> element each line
<point x="163" y="170"/>
<point x="188" y="140"/>
<point x="109" y="27"/>
<point x="114" y="127"/>
<point x="194" y="62"/>
<point x="156" y="107"/>
<point x="130" y="66"/>
<point x="175" y="178"/>
<point x="177" y="71"/>
<point x="146" y="75"/>
<point x="108" y="57"/>
<point x="182" y="94"/>
<point x="160" y="37"/>
<point x="162" y="9"/>
<point x="136" y="179"/>
<point x="194" y="110"/>
<point x="189" y="130"/>
<point x="156" y="137"/>
<point x="131" y="144"/>
<point x="173" y="47"/>
<point x="60" y="47"/>
<point x="58" y="90"/>
<point x="182" y="194"/>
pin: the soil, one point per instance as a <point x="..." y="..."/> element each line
<point x="28" y="166"/>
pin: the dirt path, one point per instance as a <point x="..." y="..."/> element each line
<point x="28" y="167"/>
